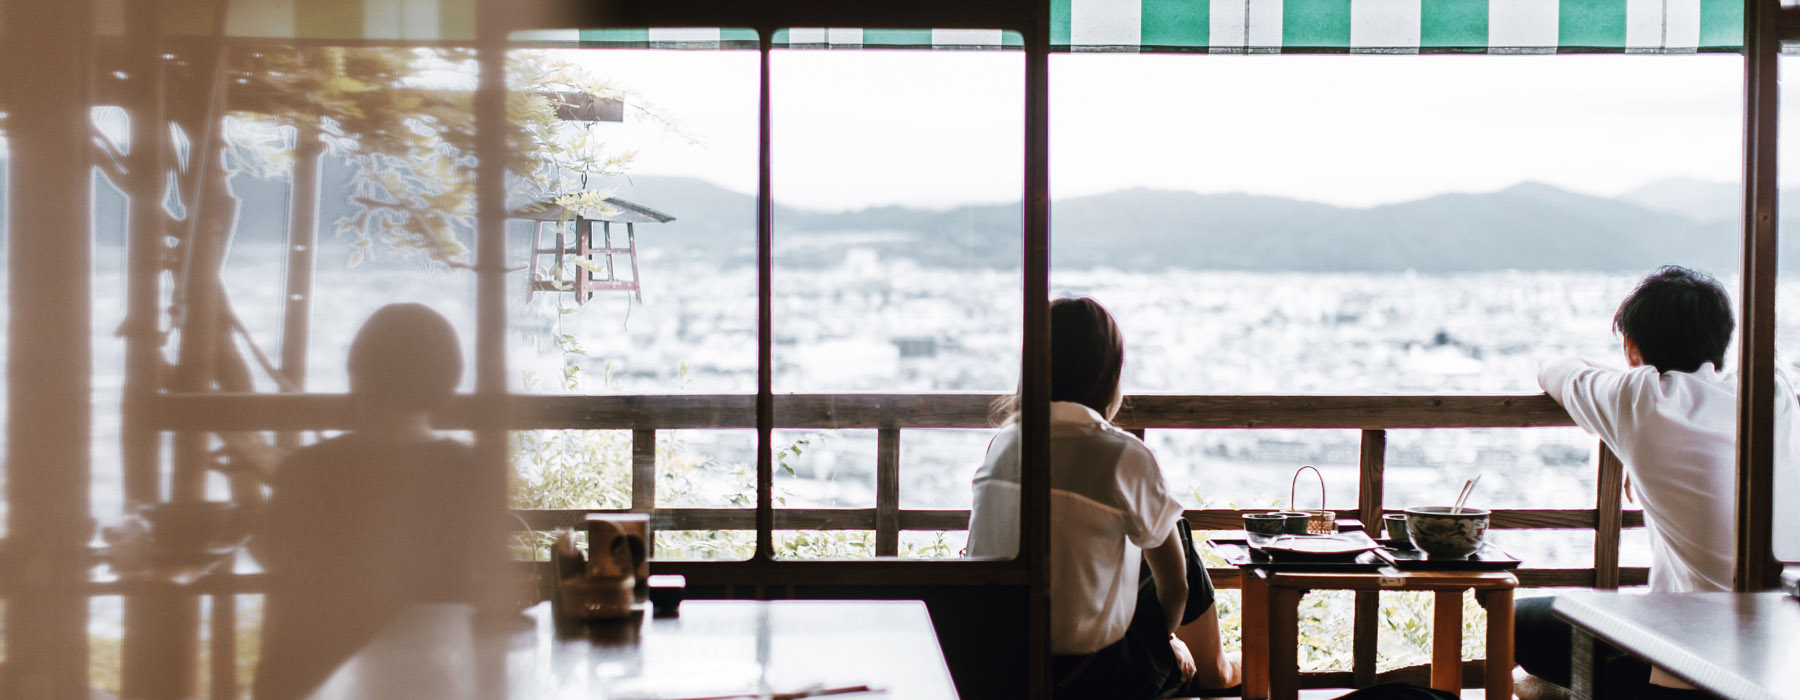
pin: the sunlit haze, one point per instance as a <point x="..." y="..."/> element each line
<point x="1351" y="130"/>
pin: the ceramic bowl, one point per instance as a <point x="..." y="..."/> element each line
<point x="1296" y="521"/>
<point x="188" y="532"/>
<point x="1440" y="533"/>
<point x="1263" y="528"/>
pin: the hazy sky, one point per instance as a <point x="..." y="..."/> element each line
<point x="937" y="128"/>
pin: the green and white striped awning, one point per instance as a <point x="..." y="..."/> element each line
<point x="1129" y="26"/>
<point x="1285" y="26"/>
<point x="1398" y="26"/>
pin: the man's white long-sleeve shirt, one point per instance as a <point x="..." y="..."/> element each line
<point x="1676" y="432"/>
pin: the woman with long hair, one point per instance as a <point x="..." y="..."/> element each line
<point x="1112" y="635"/>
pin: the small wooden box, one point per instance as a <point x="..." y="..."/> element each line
<point x="619" y="545"/>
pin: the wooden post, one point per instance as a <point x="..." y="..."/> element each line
<point x="139" y="453"/>
<point x="887" y="492"/>
<point x="1284" y="642"/>
<point x="1756" y="567"/>
<point x="643" y="477"/>
<point x="45" y="76"/>
<point x="223" y="646"/>
<point x="303" y="240"/>
<point x="150" y="617"/>
<point x="1367" y="621"/>
<point x="1034" y="363"/>
<point x="1372" y="468"/>
<point x="211" y="218"/>
<point x="1610" y="515"/>
<point x="765" y="312"/>
<point x="637" y="284"/>
<point x="643" y="470"/>
<point x="1500" y="642"/>
<point x="1254" y="606"/>
<point x="160" y="662"/>
<point x="1446" y="641"/>
<point x="493" y="22"/>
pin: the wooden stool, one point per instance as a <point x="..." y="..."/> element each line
<point x="1271" y="623"/>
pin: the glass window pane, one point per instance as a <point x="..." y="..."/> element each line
<point x="1787" y="294"/>
<point x="1384" y="225"/>
<point x="1420" y="240"/>
<point x="640" y="251"/>
<point x="897" y="248"/>
<point x="107" y="286"/>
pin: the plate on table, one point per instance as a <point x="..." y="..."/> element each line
<point x="1488" y="558"/>
<point x="1346" y="544"/>
<point x="1238" y="537"/>
<point x="1242" y="556"/>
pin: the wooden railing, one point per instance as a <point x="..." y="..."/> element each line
<point x="890" y="415"/>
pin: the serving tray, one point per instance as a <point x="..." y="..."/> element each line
<point x="1241" y="556"/>
<point x="1338" y="546"/>
<point x="1488" y="558"/>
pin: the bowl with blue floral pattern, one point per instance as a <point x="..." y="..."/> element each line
<point x="1441" y="531"/>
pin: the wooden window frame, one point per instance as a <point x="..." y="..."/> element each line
<point x="48" y="479"/>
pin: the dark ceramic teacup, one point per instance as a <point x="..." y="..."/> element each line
<point x="187" y="531"/>
<point x="1438" y="532"/>
<point x="1296" y="521"/>
<point x="1263" y="528"/>
<point x="1395" y="526"/>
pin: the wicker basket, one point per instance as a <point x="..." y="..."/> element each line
<point x="1323" y="521"/>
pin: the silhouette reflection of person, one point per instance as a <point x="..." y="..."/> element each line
<point x="362" y="525"/>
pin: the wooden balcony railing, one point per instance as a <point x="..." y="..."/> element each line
<point x="890" y="415"/>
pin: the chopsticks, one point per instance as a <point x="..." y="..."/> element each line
<point x="811" y="691"/>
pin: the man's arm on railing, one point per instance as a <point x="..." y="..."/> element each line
<point x="1596" y="397"/>
<point x="1554" y="376"/>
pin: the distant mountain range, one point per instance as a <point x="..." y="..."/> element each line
<point x="1528" y="226"/>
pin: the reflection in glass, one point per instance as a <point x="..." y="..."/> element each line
<point x="640" y="280"/>
<point x="896" y="262"/>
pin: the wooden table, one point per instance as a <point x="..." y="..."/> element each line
<point x="1735" y="645"/>
<point x="1271" y="623"/>
<point x="713" y="648"/>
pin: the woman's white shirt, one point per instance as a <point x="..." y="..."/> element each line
<point x="1108" y="501"/>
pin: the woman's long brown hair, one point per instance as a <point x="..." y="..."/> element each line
<point x="1087" y="354"/>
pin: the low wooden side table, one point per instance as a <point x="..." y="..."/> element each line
<point x="1271" y="623"/>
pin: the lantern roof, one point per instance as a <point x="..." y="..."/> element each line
<point x="624" y="213"/>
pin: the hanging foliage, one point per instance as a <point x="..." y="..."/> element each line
<point x="403" y="120"/>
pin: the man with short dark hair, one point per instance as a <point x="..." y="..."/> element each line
<point x="1671" y="417"/>
<point x="363" y="525"/>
